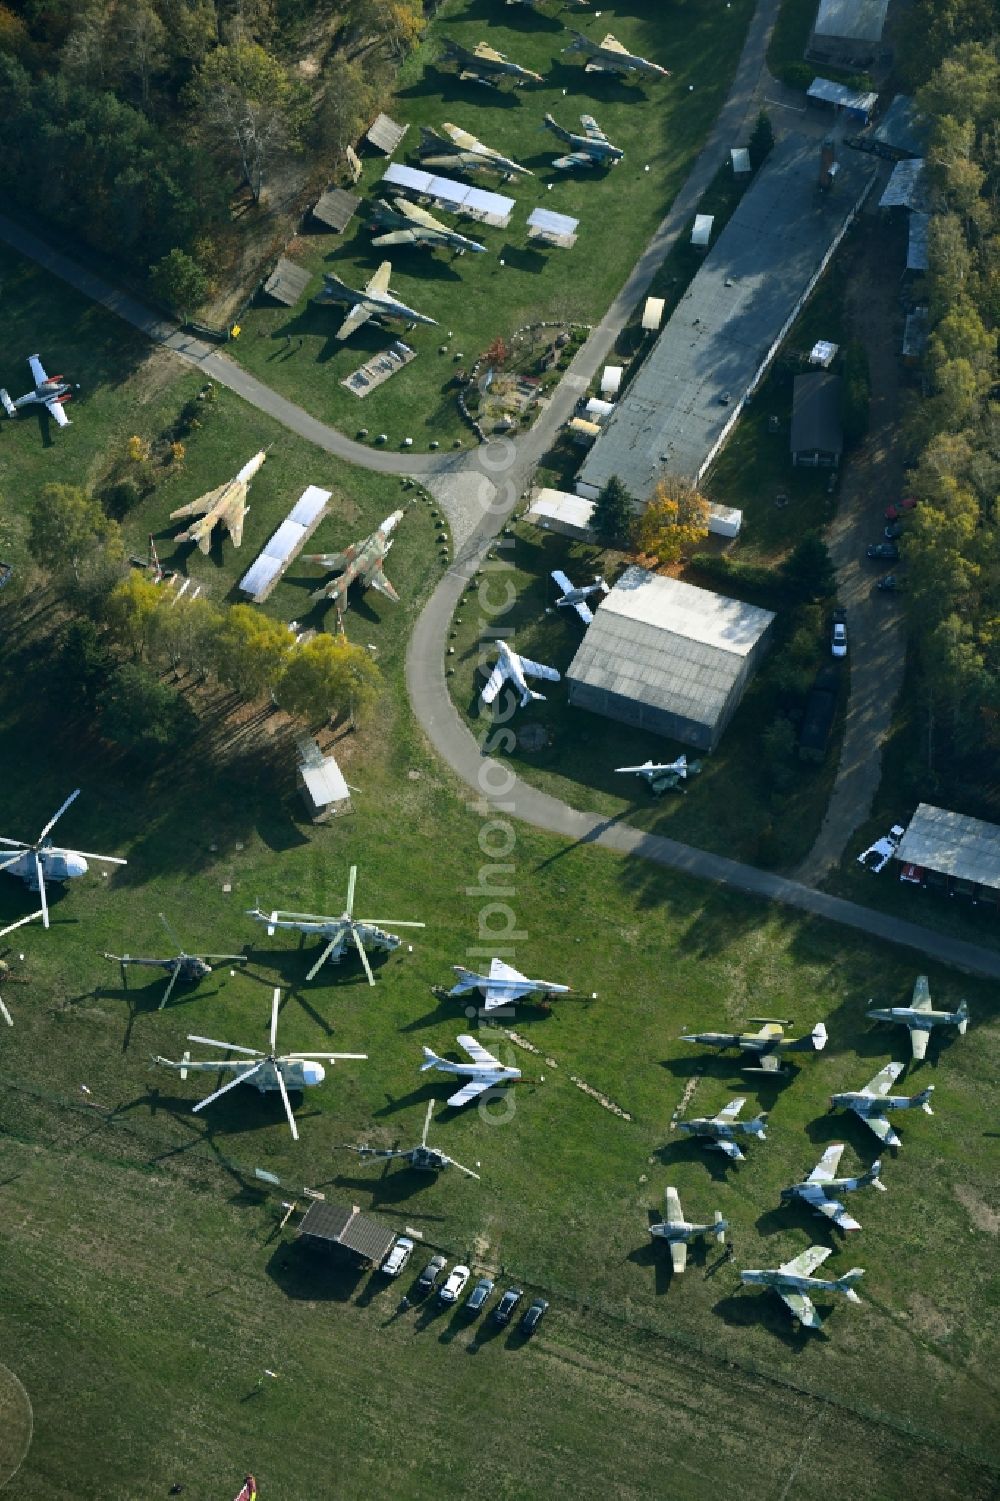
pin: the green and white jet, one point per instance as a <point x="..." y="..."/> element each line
<point x="679" y="1232"/>
<point x="409" y="224"/>
<point x="484" y="63"/>
<point x="873" y="1101"/>
<point x="376" y="301"/>
<point x="820" y="1190"/>
<point x="610" y="56"/>
<point x="793" y="1281"/>
<point x="768" y="1044"/>
<point x="459" y="151"/>
<point x="920" y="1016"/>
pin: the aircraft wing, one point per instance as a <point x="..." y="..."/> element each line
<point x="376" y="579"/>
<point x="574" y="159"/>
<point x="678" y="1255"/>
<point x="477" y="1052"/>
<point x="380" y="281"/>
<point x="882" y="1127"/>
<point x="494" y="683"/>
<point x="202" y="505"/>
<point x="731" y="1150"/>
<point x="826" y="1167"/>
<point x="612" y="44"/>
<point x="592" y="129"/>
<point x="400" y="237"/>
<point x="514" y="985"/>
<point x="58" y="411"/>
<point x="921" y="1000"/>
<point x="802" y="1308"/>
<point x="584" y="611"/>
<point x="838" y="1214"/>
<point x="884" y="1080"/>
<point x="675" y="1214"/>
<point x="234" y="520"/>
<point x="471" y="1088"/>
<point x="37" y="370"/>
<point x="359" y="314"/>
<point x="729" y="1112"/>
<point x="563" y="582"/>
<point x="463" y="139"/>
<point x="806" y="1262"/>
<point x="919" y="1037"/>
<point x="539" y="670"/>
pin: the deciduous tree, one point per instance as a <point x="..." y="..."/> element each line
<point x="326" y="677"/>
<point x="675" y="520"/>
<point x="248" y="97"/>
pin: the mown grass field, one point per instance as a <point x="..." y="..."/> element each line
<point x="475" y="298"/>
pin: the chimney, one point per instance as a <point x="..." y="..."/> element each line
<point x="827" y="165"/>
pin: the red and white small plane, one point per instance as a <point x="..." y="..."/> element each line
<point x="51" y="391"/>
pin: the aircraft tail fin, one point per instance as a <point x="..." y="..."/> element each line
<point x="872" y="1176"/>
<point x="923" y="1099"/>
<point x="431" y="1060"/>
<point x="845" y="1284"/>
<point x="758" y="1124"/>
<point x="534" y="697"/>
<point x="721" y="1226"/>
<point x="818" y="1037"/>
<point x="963" y="1014"/>
<point x="8" y="405"/>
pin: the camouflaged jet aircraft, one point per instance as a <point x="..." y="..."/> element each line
<point x="461" y="152"/>
<point x="679" y="1232"/>
<point x="376" y="301"/>
<point x="768" y="1043"/>
<point x="409" y="224"/>
<point x="503" y="985"/>
<point x="722" y="1129"/>
<point x="793" y="1281"/>
<point x="872" y="1102"/>
<point x="485" y="64"/>
<point x="821" y="1188"/>
<point x="511" y="665"/>
<point x="593" y="149"/>
<point x="610" y="56"/>
<point x="363" y="560"/>
<point x="920" y="1017"/>
<point x="226" y="506"/>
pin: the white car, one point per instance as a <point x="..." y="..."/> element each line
<point x="455" y="1285"/>
<point x="838" y="639"/>
<point x="877" y="856"/>
<point x="398" y="1256"/>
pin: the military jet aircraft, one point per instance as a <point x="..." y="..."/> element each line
<point x="920" y="1017"/>
<point x="503" y="985"/>
<point x="42" y="861"/>
<point x="723" y="1129"/>
<point x="610" y="56"/>
<point x="536" y="4"/>
<point x="793" y="1281"/>
<point x="226" y="505"/>
<point x="821" y="1188"/>
<point x="576" y="597"/>
<point x="768" y="1044"/>
<point x="483" y="1073"/>
<point x="516" y="668"/>
<point x="679" y="1232"/>
<point x="485" y="63"/>
<point x="664" y="776"/>
<point x="363" y="560"/>
<point x="424" y="1158"/>
<point x="338" y="931"/>
<point x="873" y="1101"/>
<point x="461" y="152"/>
<point x="51" y="392"/>
<point x="409" y="224"/>
<point x="593" y="149"/>
<point x="376" y="301"/>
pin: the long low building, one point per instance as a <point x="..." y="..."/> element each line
<point x="952" y="851"/>
<point x="686" y="398"/>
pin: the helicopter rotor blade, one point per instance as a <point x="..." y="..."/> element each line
<point x="89" y="855"/>
<point x="213" y="1042"/>
<point x="275" y="1003"/>
<point x="287" y="1103"/>
<point x="324" y="956"/>
<point x="427" y="1122"/>
<point x="6" y="1014"/>
<point x="56" y="816"/>
<point x="232" y="958"/>
<point x="41" y="890"/>
<point x="174" y="976"/>
<point x="467" y="1170"/>
<point x="18" y="844"/>
<point x="351" y="883"/>
<point x="364" y="957"/>
<point x="13" y="859"/>
<point x="240" y="1079"/>
<point x="172" y="935"/>
<point x="20" y="922"/>
<point x="389" y="922"/>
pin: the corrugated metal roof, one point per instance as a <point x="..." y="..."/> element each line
<point x="906" y="188"/>
<point x="385" y="134"/>
<point x="861" y="20"/>
<point x="740" y="158"/>
<point x="902" y="128"/>
<point x="816" y="413"/>
<point x="349" y="1228"/>
<point x="702" y="231"/>
<point x="672" y="416"/>
<point x="287" y="282"/>
<point x="336" y="208"/>
<point x="558" y="508"/>
<point x="937" y="839"/>
<point x="325" y="783"/>
<point x="915" y="333"/>
<point x="916" y="249"/>
<point x="838" y="93"/>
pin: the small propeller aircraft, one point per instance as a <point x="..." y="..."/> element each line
<point x="610" y="56"/>
<point x="409" y="224"/>
<point x="483" y="1073"/>
<point x="664" y="776"/>
<point x="920" y="1017"/>
<point x="376" y="301"/>
<point x="873" y="1101"/>
<point x="266" y="1071"/>
<point x="768" y="1044"/>
<point x="723" y="1129"/>
<point x="575" y="597"/>
<point x="679" y="1232"/>
<point x="821" y="1188"/>
<point x="793" y="1281"/>
<point x="510" y="665"/>
<point x="51" y="392"/>
<point x="592" y="149"/>
<point x="34" y="864"/>
<point x="338" y="931"/>
<point x="503" y="985"/>
<point x="484" y="64"/>
<point x="364" y="560"/>
<point x="226" y="506"/>
<point x="426" y="1159"/>
<point x="458" y="151"/>
<point x="189" y="968"/>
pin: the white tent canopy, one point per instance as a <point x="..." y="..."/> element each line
<point x="491" y="208"/>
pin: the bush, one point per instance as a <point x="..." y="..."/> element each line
<point x="140" y="712"/>
<point x="746" y="578"/>
<point x="855" y="393"/>
<point x="120" y="496"/>
<point x="761" y="140"/>
<point x="797" y="75"/>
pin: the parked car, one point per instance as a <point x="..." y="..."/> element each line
<point x="398" y="1256"/>
<point x="894" y="530"/>
<point x="884" y="551"/>
<point x="509" y="1301"/>
<point x="892" y="583"/>
<point x="877" y="856"/>
<point x="455" y="1285"/>
<point x="838" y="636"/>
<point x="478" y="1296"/>
<point x="533" y="1317"/>
<point x="893" y="513"/>
<point x="430" y="1274"/>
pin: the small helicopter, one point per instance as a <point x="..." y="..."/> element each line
<point x="36" y="863"/>
<point x="426" y="1159"/>
<point x="190" y="968"/>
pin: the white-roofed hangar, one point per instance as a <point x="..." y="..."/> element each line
<point x="668" y="657"/>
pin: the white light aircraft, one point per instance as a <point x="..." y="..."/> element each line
<point x="50" y="392"/>
<point x="576" y="598"/>
<point x="483" y="1073"/>
<point x="503" y="985"/>
<point x="510" y="665"/>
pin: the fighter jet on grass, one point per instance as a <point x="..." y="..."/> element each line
<point x="873" y="1101"/>
<point x="483" y="1073"/>
<point x="678" y="1232"/>
<point x="768" y="1044"/>
<point x="458" y="151"/>
<point x="376" y="301"/>
<point x="793" y="1281"/>
<point x="610" y="56"/>
<point x="502" y="986"/>
<point x="50" y="392"/>
<point x="226" y="506"/>
<point x="821" y="1188"/>
<point x="409" y="224"/>
<point x="517" y="669"/>
<point x="485" y="63"/>
<point x="593" y="149"/>
<point x="723" y="1129"/>
<point x="920" y="1017"/>
<point x="363" y="560"/>
<point x="664" y="776"/>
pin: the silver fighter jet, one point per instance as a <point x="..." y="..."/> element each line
<point x="821" y="1188"/>
<point x="873" y="1101"/>
<point x="920" y="1017"/>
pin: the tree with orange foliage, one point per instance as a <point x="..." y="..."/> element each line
<point x="675" y="520"/>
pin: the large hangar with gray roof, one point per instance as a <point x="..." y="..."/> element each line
<point x="686" y="398"/>
<point x="667" y="657"/>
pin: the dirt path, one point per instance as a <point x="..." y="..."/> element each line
<point x="872" y="477"/>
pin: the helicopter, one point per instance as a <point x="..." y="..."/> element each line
<point x="35" y="863"/>
<point x="190" y="968"/>
<point x="426" y="1159"/>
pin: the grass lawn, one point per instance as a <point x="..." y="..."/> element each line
<point x="475" y="298"/>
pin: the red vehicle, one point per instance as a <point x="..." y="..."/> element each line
<point x="895" y="512"/>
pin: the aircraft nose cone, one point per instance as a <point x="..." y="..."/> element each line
<point x="313" y="1073"/>
<point x="76" y="865"/>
